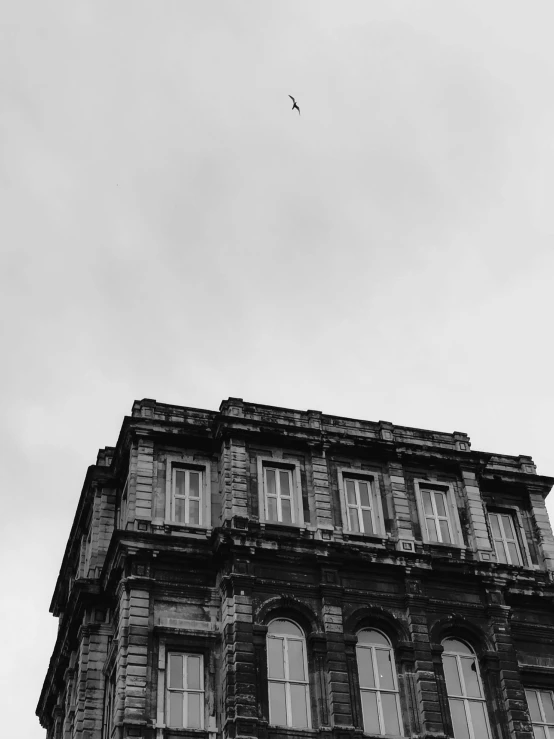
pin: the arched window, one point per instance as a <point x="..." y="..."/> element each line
<point x="378" y="684"/>
<point x="466" y="698"/>
<point x="287" y="673"/>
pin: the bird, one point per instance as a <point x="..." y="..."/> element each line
<point x="294" y="105"/>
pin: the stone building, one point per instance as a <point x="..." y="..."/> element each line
<point x="275" y="573"/>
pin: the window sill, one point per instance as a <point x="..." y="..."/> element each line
<point x="170" y="527"/>
<point x="372" y="539"/>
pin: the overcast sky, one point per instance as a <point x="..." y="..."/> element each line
<point x="169" y="228"/>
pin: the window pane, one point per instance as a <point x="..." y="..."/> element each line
<point x="364" y="493"/>
<point x="459" y="721"/>
<point x="384" y="669"/>
<point x="369" y="710"/>
<point x="194" y="484"/>
<point x="507" y="525"/>
<point x="445" y="533"/>
<point x="193" y="673"/>
<point x="275" y="660"/>
<point x="533" y="703"/>
<point x="469" y="669"/>
<point x="538" y="733"/>
<point x="365" y="668"/>
<point x="427" y="505"/>
<point x="453" y="645"/>
<point x="353" y="517"/>
<point x="175" y="670"/>
<point x="432" y="529"/>
<point x="493" y="518"/>
<point x="180" y="510"/>
<point x="270" y="478"/>
<point x="453" y="685"/>
<point x="176" y="709"/>
<point x="370" y="636"/>
<point x="193" y="718"/>
<point x="547" y="706"/>
<point x="277" y="708"/>
<point x="272" y="509"/>
<point x="368" y="526"/>
<point x="285" y="480"/>
<point x="194" y="511"/>
<point x="514" y="554"/>
<point x="299" y="706"/>
<point x="549" y="732"/>
<point x="500" y="553"/>
<point x="286" y="515"/>
<point x="439" y="502"/>
<point x="296" y="659"/>
<point x="477" y="711"/>
<point x="282" y="626"/>
<point x="180" y="482"/>
<point x="350" y="492"/>
<point x="390" y="713"/>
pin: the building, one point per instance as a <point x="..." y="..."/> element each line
<point x="283" y="574"/>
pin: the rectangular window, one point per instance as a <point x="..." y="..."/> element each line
<point x="438" y="513"/>
<point x="437" y="521"/>
<point x="541" y="709"/>
<point x="186" y="499"/>
<point x="109" y="704"/>
<point x="279" y="495"/>
<point x="504" y="535"/>
<point x="185" y="691"/>
<point x="360" y="505"/>
<point x="122" y="511"/>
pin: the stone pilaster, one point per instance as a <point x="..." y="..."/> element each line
<point x="477" y="517"/>
<point x="503" y="672"/>
<point x="239" y="679"/>
<point x="402" y="520"/>
<point x="337" y="694"/>
<point x="426" y="691"/>
<point x="543" y="529"/>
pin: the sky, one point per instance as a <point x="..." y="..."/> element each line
<point x="171" y="229"/>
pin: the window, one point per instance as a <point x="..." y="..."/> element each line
<point x="438" y="513"/>
<point x="378" y="684"/>
<point x="122" y="511"/>
<point x="466" y="699"/>
<point x="279" y="492"/>
<point x="187" y="496"/>
<point x="287" y="672"/>
<point x="359" y="504"/>
<point x="505" y="539"/>
<point x="279" y="498"/>
<point x="436" y="516"/>
<point x="541" y="708"/>
<point x="362" y="511"/>
<point x="88" y="552"/>
<point x="109" y="702"/>
<point x="185" y="691"/>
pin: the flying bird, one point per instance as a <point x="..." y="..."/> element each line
<point x="294" y="105"/>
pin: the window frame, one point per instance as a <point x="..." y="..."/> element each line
<point x="346" y="473"/>
<point x="466" y="700"/>
<point x="286" y="680"/>
<point x="266" y="462"/>
<point x="377" y="690"/>
<point x="453" y="517"/>
<point x="108" y="706"/>
<point x="519" y="531"/>
<point x="185" y="654"/>
<point x="543" y="724"/>
<point x="174" y="463"/>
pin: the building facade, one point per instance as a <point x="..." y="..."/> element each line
<point x="275" y="573"/>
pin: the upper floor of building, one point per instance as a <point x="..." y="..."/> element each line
<point x="268" y="474"/>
